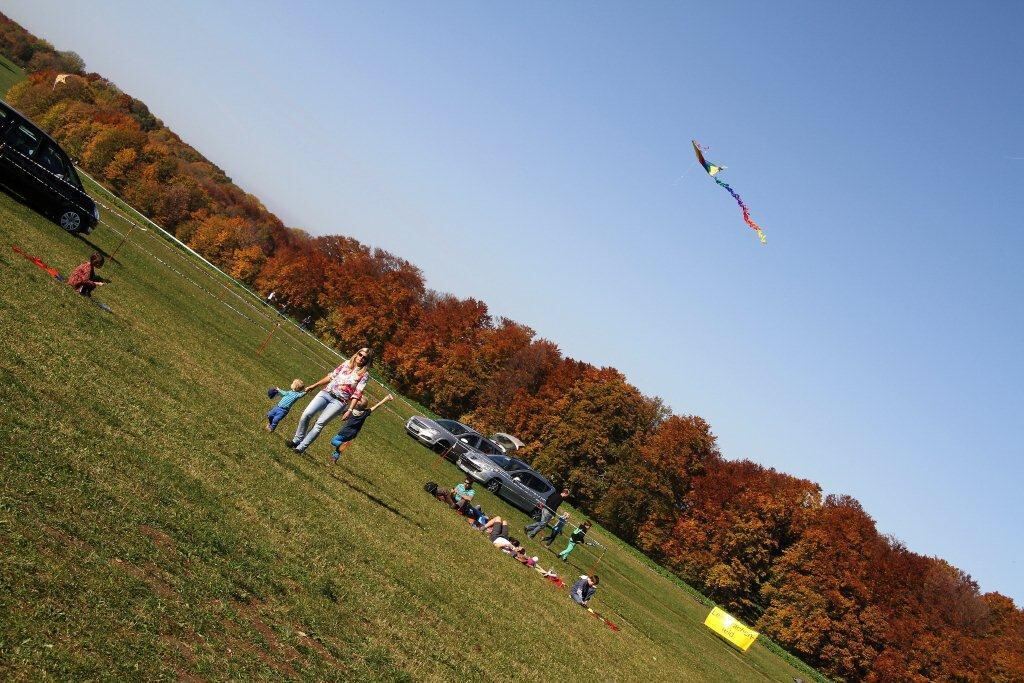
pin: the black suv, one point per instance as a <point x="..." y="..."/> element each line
<point x="36" y="169"/>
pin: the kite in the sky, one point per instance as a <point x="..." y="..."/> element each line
<point x="713" y="171"/>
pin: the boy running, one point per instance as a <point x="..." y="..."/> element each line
<point x="350" y="430"/>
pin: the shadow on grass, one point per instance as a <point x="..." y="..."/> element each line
<point x="377" y="501"/>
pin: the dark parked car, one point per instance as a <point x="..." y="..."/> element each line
<point x="509" y="478"/>
<point x="35" y="168"/>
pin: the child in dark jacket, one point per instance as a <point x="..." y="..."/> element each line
<point x="577" y="537"/>
<point x="350" y="430"/>
<point x="583" y="590"/>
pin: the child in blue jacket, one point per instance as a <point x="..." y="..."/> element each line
<point x="288" y="398"/>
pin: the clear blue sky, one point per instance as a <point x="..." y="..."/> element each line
<point x="536" y="156"/>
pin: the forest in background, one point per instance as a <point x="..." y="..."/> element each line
<point x="811" y="571"/>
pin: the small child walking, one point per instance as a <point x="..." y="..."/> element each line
<point x="556" y="530"/>
<point x="350" y="430"/>
<point x="288" y="398"/>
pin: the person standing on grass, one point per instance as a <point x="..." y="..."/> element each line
<point x="350" y="430"/>
<point x="547" y="510"/>
<point x="278" y="412"/>
<point x="583" y="590"/>
<point x="577" y="537"/>
<point x="556" y="530"/>
<point x="83" y="278"/>
<point x="345" y="385"/>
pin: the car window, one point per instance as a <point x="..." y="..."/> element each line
<point x="501" y="461"/>
<point x="23" y="140"/>
<point x="531" y="480"/>
<point x="488" y="447"/>
<point x="452" y="426"/>
<point x="50" y="159"/>
<point x="472" y="440"/>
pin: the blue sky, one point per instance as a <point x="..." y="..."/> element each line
<point x="536" y="156"/>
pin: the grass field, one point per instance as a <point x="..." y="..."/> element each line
<point x="10" y="73"/>
<point x="150" y="528"/>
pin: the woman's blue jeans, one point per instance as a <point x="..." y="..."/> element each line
<point x="329" y="406"/>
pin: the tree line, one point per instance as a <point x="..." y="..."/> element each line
<point x="811" y="571"/>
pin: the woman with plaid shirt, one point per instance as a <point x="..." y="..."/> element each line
<point x="345" y="385"/>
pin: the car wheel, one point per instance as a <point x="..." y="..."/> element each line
<point x="535" y="515"/>
<point x="494" y="486"/>
<point x="71" y="220"/>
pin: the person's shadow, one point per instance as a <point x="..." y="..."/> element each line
<point x="98" y="249"/>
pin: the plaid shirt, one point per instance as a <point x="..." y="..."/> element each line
<point x="82" y="275"/>
<point x="347" y="381"/>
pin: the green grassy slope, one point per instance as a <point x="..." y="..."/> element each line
<point x="150" y="528"/>
<point x="10" y="73"/>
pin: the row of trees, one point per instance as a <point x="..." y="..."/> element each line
<point x="813" y="572"/>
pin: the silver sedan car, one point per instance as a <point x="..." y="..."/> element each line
<point x="508" y="478"/>
<point x="437" y="435"/>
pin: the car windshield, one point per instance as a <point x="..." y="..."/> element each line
<point x="452" y="426"/>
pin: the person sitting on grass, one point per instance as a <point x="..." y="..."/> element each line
<point x="288" y="399"/>
<point x="350" y="430"/>
<point x="460" y="496"/>
<point x="83" y="278"/>
<point x="583" y="590"/>
<point x="556" y="530"/>
<point x="577" y="537"/>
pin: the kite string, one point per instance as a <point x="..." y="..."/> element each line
<point x="746" y="211"/>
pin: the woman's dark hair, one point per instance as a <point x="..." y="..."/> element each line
<point x="97" y="260"/>
<point x="595" y="579"/>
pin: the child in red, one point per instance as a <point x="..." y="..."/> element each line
<point x="83" y="278"/>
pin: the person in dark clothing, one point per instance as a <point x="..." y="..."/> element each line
<point x="583" y="590"/>
<point x="547" y="510"/>
<point x="577" y="537"/>
<point x="350" y="430"/>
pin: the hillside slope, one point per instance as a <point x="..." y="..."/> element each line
<point x="151" y="528"/>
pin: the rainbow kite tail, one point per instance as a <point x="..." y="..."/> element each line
<point x="746" y="212"/>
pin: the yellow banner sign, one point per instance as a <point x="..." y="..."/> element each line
<point x="728" y="627"/>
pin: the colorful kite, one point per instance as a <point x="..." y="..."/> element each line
<point x="713" y="171"/>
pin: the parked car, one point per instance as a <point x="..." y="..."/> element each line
<point x="474" y="443"/>
<point x="35" y="169"/>
<point x="509" y="478"/>
<point x="508" y="443"/>
<point x="438" y="435"/>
